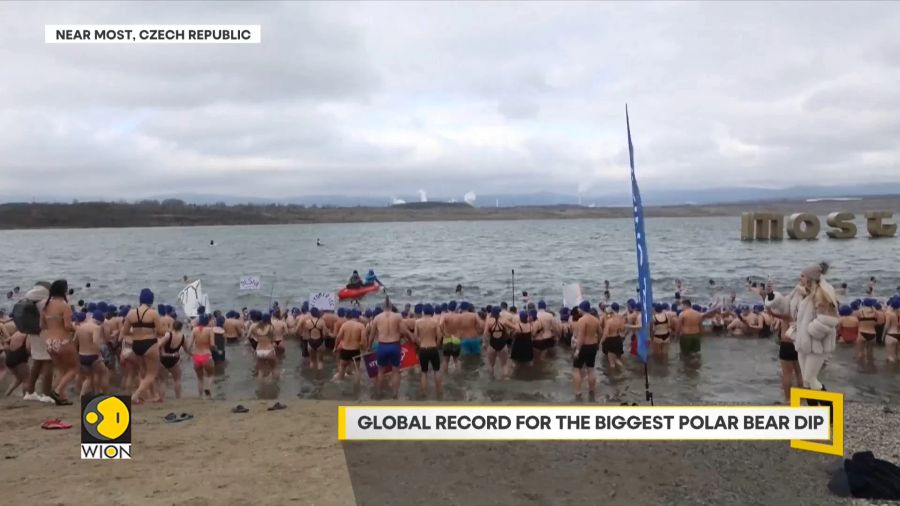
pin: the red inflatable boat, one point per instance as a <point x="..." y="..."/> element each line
<point x="358" y="293"/>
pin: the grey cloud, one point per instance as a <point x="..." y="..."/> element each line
<point x="387" y="98"/>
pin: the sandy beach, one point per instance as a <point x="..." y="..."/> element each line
<point x="293" y="457"/>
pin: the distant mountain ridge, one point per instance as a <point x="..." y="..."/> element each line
<point x="651" y="196"/>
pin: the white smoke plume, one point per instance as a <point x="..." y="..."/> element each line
<point x="396" y="201"/>
<point x="469" y="198"/>
<point x="423" y="197"/>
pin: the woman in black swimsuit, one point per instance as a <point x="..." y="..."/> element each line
<point x="661" y="332"/>
<point x="522" y="350"/>
<point x="496" y="335"/>
<point x="170" y="346"/>
<point x="317" y="333"/>
<point x="142" y="323"/>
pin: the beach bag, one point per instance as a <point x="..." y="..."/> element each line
<point x="866" y="477"/>
<point x="27" y="317"/>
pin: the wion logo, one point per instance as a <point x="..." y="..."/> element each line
<point x="106" y="427"/>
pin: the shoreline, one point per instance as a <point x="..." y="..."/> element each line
<point x="293" y="457"/>
<point x="38" y="216"/>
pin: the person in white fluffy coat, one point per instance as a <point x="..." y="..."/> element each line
<point x="812" y="306"/>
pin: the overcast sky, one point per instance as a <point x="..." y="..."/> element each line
<point x="354" y="98"/>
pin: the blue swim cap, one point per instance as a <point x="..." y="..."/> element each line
<point x="220" y="321"/>
<point x="495" y="312"/>
<point x="428" y="310"/>
<point x="123" y="311"/>
<point x="895" y="303"/>
<point x="564" y="317"/>
<point x="533" y="314"/>
<point x="371" y="272"/>
<point x="585" y="306"/>
<point x="445" y="307"/>
<point x="102" y="306"/>
<point x="368" y="313"/>
<point x="614" y="306"/>
<point x="631" y="302"/>
<point x="564" y="310"/>
<point x="255" y="315"/>
<point x="855" y="304"/>
<point x="267" y="318"/>
<point x="418" y="308"/>
<point x="666" y="306"/>
<point x="542" y="304"/>
<point x="341" y="312"/>
<point x="696" y="307"/>
<point x="203" y="319"/>
<point x="91" y="307"/>
<point x="161" y="309"/>
<point x="201" y="310"/>
<point x="868" y="302"/>
<point x="452" y="305"/>
<point x="314" y="312"/>
<point x="146" y="297"/>
<point x="658" y="308"/>
<point x="304" y="308"/>
<point x="354" y="313"/>
<point x="845" y="310"/>
<point x="79" y="316"/>
<point x="99" y="316"/>
<point x="523" y="317"/>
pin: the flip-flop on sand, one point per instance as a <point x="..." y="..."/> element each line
<point x="277" y="406"/>
<point x="173" y="418"/>
<point x="55" y="424"/>
<point x="240" y="408"/>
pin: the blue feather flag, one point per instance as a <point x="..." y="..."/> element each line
<point x="643" y="255"/>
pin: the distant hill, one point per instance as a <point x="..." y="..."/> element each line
<point x="177" y="213"/>
<point x="651" y="195"/>
<point x="432" y="205"/>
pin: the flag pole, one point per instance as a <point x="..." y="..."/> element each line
<point x="643" y="264"/>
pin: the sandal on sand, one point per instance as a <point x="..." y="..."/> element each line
<point x="173" y="418"/>
<point x="55" y="425"/>
<point x="240" y="408"/>
<point x="60" y="401"/>
<point x="277" y="406"/>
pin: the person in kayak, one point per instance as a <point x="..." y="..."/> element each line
<point x="371" y="279"/>
<point x="355" y="281"/>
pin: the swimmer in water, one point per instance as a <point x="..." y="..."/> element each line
<point x="691" y="322"/>
<point x="549" y="332"/>
<point x="870" y="288"/>
<point x="587" y="334"/>
<point x="848" y="328"/>
<point x="613" y="340"/>
<point x="318" y="243"/>
<point x="387" y="332"/>
<point x="279" y="330"/>
<point x="350" y="341"/>
<point x="868" y="319"/>
<point x="317" y="332"/>
<point x="497" y="336"/>
<point x="262" y="333"/>
<point x="661" y="332"/>
<point x="427" y="336"/>
<point x="892" y="331"/>
<point x="522" y="348"/>
<point x="212" y="243"/>
<point x="233" y="326"/>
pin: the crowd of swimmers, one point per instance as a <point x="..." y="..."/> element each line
<point x="79" y="346"/>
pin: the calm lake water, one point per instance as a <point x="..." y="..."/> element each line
<point x="431" y="258"/>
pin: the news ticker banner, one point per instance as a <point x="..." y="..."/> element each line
<point x="152" y="34"/>
<point x="806" y="427"/>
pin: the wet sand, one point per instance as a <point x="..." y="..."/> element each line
<point x="293" y="457"/>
